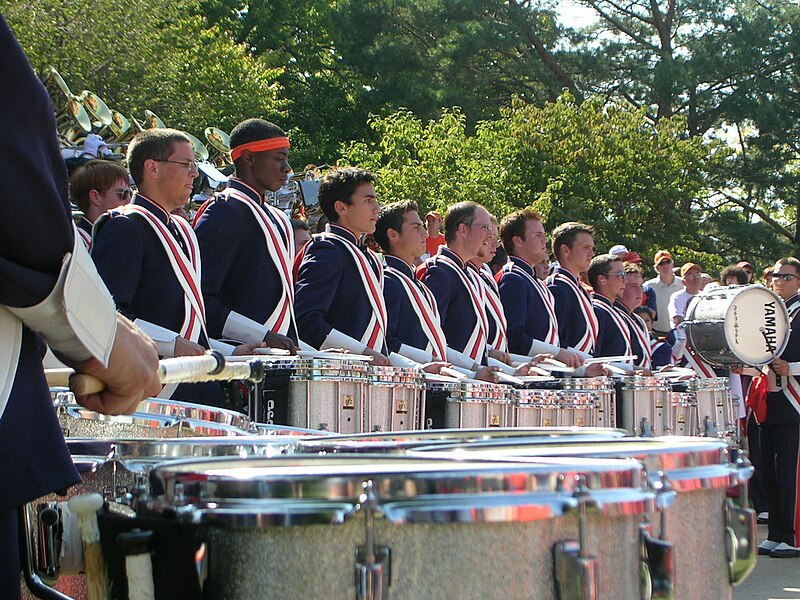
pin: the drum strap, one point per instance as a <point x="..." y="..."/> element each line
<point x="791" y="384"/>
<point x="702" y="368"/>
<point x="477" y="341"/>
<point x="424" y="305"/>
<point x="640" y="331"/>
<point x="186" y="268"/>
<point x="547" y="299"/>
<point x="619" y="321"/>
<point x="87" y="239"/>
<point x="282" y="317"/>
<point x="589" y="339"/>
<point x="375" y="334"/>
<point x="494" y="307"/>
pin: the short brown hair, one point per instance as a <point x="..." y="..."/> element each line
<point x="152" y="144"/>
<point x="631" y="267"/>
<point x="566" y="234"/>
<point x="513" y="225"/>
<point x="791" y="261"/>
<point x="96" y="174"/>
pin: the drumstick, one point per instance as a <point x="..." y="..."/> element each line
<point x="86" y="507"/>
<point x="211" y="366"/>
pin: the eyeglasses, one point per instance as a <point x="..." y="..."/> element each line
<point x="487" y="228"/>
<point x="784" y="276"/>
<point x="125" y="194"/>
<point x="666" y="261"/>
<point x="692" y="276"/>
<point x="189" y="165"/>
<point x="620" y="274"/>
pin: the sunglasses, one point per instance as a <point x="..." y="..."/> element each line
<point x="620" y="274"/>
<point x="784" y="276"/>
<point x="125" y="194"/>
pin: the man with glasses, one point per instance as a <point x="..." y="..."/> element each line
<point x="692" y="276"/>
<point x="607" y="278"/>
<point x="96" y="187"/>
<point x="780" y="431"/>
<point x="247" y="245"/>
<point x="150" y="259"/>
<point x="459" y="294"/>
<point x="663" y="286"/>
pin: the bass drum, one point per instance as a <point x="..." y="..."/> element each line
<point x="737" y="325"/>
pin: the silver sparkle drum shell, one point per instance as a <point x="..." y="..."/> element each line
<point x="737" y="325"/>
<point x="115" y="468"/>
<point x="699" y="469"/>
<point x="290" y="528"/>
<point x="479" y="404"/>
<point x="153" y="418"/>
<point x="605" y="390"/>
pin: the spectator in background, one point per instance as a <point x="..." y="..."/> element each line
<point x="734" y="275"/>
<point x="692" y="277"/>
<point x="433" y="222"/>
<point x="748" y="268"/>
<point x="767" y="277"/>
<point x="666" y="284"/>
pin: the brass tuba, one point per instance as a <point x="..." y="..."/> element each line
<point x="220" y="151"/>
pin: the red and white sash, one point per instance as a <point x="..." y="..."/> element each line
<point x="547" y="299"/>
<point x="186" y="269"/>
<point x="619" y="322"/>
<point x="282" y="255"/>
<point x="790" y="383"/>
<point x="476" y="344"/>
<point x="589" y="339"/>
<point x="424" y="305"/>
<point x="85" y="236"/>
<point x="642" y="336"/>
<point x="494" y="307"/>
<point x="374" y="336"/>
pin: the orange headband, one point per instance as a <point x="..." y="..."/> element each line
<point x="260" y="146"/>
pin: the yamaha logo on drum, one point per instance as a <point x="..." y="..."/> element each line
<point x="770" y="331"/>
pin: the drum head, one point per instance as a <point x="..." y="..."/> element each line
<point x="756" y="325"/>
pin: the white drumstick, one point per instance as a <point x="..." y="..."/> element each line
<point x="85" y="507"/>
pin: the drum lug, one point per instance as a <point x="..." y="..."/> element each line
<point x="740" y="524"/>
<point x="575" y="571"/>
<point x="708" y="428"/>
<point x="373" y="568"/>
<point x="658" y="566"/>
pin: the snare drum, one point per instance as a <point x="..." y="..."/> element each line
<point x="328" y="394"/>
<point x="603" y="388"/>
<point x="714" y="541"/>
<point x="153" y="418"/>
<point x="394" y="398"/>
<point x="714" y="406"/>
<point x="116" y="468"/>
<point x="555" y="408"/>
<point x="411" y="528"/>
<point x="737" y="325"/>
<point x="479" y="404"/>
<point x="644" y="407"/>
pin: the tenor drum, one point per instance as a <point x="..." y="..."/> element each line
<point x="478" y="404"/>
<point x="737" y="325"/>
<point x="603" y="388"/>
<point x="644" y="406"/>
<point x="153" y="418"/>
<point x="344" y="527"/>
<point x="394" y="399"/>
<point x="713" y="540"/>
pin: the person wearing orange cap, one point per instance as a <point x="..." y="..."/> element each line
<point x="433" y="222"/>
<point x="692" y="274"/>
<point x="664" y="285"/>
